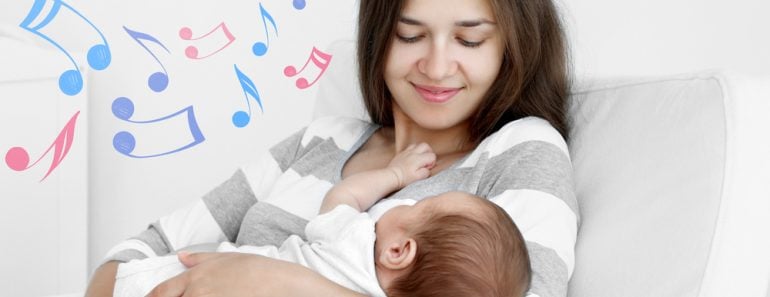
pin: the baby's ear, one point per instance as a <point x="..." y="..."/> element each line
<point x="399" y="255"/>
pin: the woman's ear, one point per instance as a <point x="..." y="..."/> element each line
<point x="399" y="255"/>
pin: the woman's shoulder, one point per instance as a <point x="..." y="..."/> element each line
<point x="524" y="131"/>
<point x="530" y="134"/>
<point x="344" y="131"/>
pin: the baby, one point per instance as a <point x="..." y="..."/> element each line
<point x="453" y="244"/>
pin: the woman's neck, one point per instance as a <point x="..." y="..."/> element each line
<point x="446" y="142"/>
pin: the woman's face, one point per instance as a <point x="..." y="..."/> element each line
<point x="445" y="56"/>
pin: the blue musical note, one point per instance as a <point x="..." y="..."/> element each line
<point x="260" y="48"/>
<point x="242" y="118"/>
<point x="124" y="142"/>
<point x="299" y="4"/>
<point x="158" y="81"/>
<point x="99" y="56"/>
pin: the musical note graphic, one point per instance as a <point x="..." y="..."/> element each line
<point x="125" y="142"/>
<point x="242" y="118"/>
<point x="192" y="52"/>
<point x="299" y="4"/>
<point x="17" y="158"/>
<point x="99" y="56"/>
<point x="319" y="59"/>
<point x="260" y="48"/>
<point x="157" y="81"/>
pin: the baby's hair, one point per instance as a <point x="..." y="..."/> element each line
<point x="458" y="255"/>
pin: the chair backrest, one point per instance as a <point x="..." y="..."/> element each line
<point x="666" y="174"/>
<point x="649" y="168"/>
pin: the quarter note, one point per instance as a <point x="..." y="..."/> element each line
<point x="319" y="59"/>
<point x="157" y="81"/>
<point x="124" y="142"/>
<point x="17" y="158"/>
<point x="99" y="56"/>
<point x="242" y="118"/>
<point x="192" y="51"/>
<point x="260" y="48"/>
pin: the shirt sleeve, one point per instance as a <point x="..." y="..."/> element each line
<point x="343" y="240"/>
<point x="529" y="174"/>
<point x="341" y="224"/>
<point x="215" y="217"/>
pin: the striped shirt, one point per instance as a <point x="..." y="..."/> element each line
<point x="524" y="167"/>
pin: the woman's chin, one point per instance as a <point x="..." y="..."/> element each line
<point x="437" y="123"/>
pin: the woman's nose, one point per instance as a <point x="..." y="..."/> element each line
<point x="437" y="63"/>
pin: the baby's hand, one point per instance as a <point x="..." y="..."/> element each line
<point x="413" y="163"/>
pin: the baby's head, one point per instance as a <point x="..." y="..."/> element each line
<point x="453" y="244"/>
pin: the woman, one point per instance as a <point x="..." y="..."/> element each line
<point x="483" y="82"/>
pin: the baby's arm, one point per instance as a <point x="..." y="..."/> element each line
<point x="362" y="190"/>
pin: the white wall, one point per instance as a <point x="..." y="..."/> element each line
<point x="125" y="194"/>
<point x="659" y="37"/>
<point x="43" y="218"/>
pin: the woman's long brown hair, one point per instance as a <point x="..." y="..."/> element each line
<point x="533" y="78"/>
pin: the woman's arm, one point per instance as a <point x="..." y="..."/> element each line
<point x="239" y="274"/>
<point x="217" y="216"/>
<point x="529" y="174"/>
<point x="103" y="280"/>
<point x="187" y="226"/>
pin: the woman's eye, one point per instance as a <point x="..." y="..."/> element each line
<point x="471" y="44"/>
<point x="408" y="39"/>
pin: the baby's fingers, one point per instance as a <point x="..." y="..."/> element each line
<point x="422" y="148"/>
<point x="427" y="160"/>
<point x="422" y="173"/>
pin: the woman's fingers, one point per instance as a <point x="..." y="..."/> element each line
<point x="192" y="259"/>
<point x="178" y="285"/>
<point x="173" y="287"/>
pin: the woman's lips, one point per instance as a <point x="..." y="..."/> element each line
<point x="436" y="94"/>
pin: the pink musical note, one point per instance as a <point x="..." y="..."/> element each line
<point x="319" y="59"/>
<point x="17" y="158"/>
<point x="192" y="51"/>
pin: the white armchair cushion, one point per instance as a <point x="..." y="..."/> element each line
<point x="655" y="168"/>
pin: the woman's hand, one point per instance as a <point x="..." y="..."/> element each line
<point x="238" y="274"/>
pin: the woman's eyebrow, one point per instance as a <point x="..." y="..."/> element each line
<point x="467" y="23"/>
<point x="410" y="21"/>
<point x="474" y="23"/>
